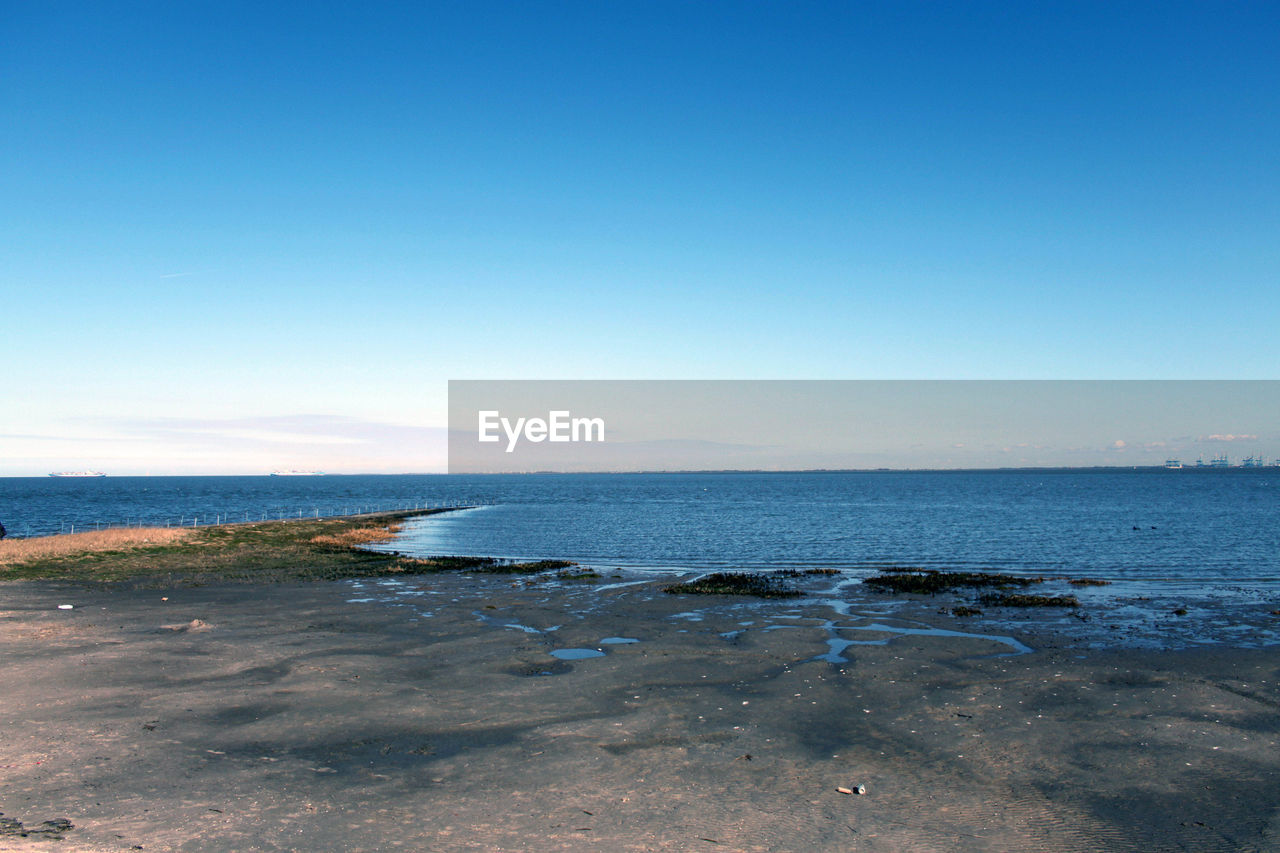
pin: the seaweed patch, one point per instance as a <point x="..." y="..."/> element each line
<point x="735" y="583"/>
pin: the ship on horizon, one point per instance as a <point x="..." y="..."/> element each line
<point x="297" y="473"/>
<point x="77" y="474"/>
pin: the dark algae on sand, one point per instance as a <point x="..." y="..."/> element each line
<point x="933" y="581"/>
<point x="757" y="584"/>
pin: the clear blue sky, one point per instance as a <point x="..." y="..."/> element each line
<point x="276" y="221"/>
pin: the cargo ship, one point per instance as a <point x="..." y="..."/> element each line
<point x="77" y="474"/>
<point x="297" y="473"/>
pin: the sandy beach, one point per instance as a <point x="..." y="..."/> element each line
<point x="428" y="712"/>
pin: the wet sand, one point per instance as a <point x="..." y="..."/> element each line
<point x="429" y="713"/>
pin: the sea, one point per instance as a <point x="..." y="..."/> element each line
<point x="1145" y="526"/>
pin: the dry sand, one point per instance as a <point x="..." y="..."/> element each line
<point x="291" y="717"/>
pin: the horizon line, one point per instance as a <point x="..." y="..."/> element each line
<point x="882" y="469"/>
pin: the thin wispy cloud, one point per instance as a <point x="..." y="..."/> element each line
<point x="298" y="430"/>
<point x="245" y="445"/>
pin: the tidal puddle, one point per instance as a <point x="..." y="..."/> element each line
<point x="576" y="654"/>
<point x="837" y="645"/>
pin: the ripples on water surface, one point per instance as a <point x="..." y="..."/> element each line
<point x="1191" y="525"/>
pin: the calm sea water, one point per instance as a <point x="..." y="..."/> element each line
<point x="38" y="506"/>
<point x="1211" y="525"/>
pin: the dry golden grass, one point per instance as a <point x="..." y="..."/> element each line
<point x="116" y="539"/>
<point x="358" y="536"/>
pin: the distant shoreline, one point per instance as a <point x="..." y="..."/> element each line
<point x="1273" y="468"/>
